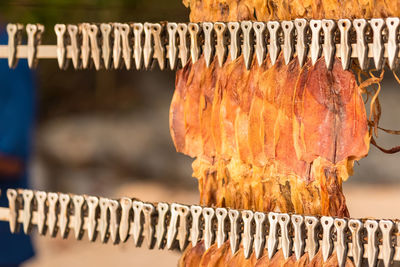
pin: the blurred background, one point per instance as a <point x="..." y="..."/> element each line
<point x="106" y="133"/>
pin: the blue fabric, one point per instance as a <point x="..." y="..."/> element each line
<point x="17" y="106"/>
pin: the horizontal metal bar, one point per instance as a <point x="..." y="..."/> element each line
<point x="50" y="51"/>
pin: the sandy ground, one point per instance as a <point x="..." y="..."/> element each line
<point x="377" y="201"/>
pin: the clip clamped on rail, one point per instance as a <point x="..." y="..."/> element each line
<point x="173" y="226"/>
<point x="174" y="43"/>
